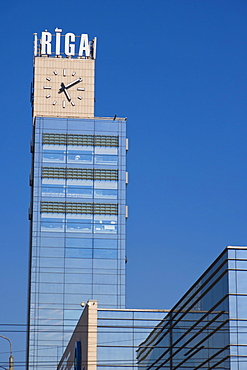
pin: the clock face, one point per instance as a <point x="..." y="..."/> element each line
<point x="64" y="88"/>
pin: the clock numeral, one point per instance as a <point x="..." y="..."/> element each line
<point x="72" y="103"/>
<point x="63" y="103"/>
<point x="80" y="89"/>
<point x="47" y="87"/>
<point x="55" y="102"/>
<point x="79" y="97"/>
<point x="48" y="78"/>
<point x="73" y="73"/>
<point x="55" y="73"/>
<point x="64" y="72"/>
<point x="48" y="96"/>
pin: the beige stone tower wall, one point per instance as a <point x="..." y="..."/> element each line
<point x="50" y="101"/>
<point x="92" y="335"/>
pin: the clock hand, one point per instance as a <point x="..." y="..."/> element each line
<point x="63" y="89"/>
<point x="73" y="83"/>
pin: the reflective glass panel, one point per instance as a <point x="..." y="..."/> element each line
<point x="105" y="193"/>
<point x="54" y="156"/>
<point x="106" y="159"/>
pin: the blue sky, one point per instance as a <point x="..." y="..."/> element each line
<point x="177" y="70"/>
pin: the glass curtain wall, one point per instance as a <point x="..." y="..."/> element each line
<point x="207" y="329"/>
<point x="78" y="216"/>
<point x="120" y="333"/>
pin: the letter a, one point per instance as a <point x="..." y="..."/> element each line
<point x="84" y="46"/>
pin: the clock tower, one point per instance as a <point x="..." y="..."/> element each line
<point x="78" y="197"/>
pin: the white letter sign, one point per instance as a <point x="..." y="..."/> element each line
<point x="69" y="49"/>
<point x="58" y="34"/>
<point x="46" y="43"/>
<point x="84" y="46"/>
<point x="68" y="45"/>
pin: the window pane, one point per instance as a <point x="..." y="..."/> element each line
<point x="105" y="253"/>
<point x="51" y="225"/>
<point x="82" y="192"/>
<point x="80" y="156"/>
<point x="106" y="193"/>
<point x="78" y="243"/>
<point x="75" y="226"/>
<point x="105" y="227"/>
<point x="54" y="156"/>
<point x="105" y="243"/>
<point x="106" y="159"/>
<point x="78" y="253"/>
<point x="53" y="190"/>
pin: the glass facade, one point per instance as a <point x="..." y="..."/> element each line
<point x="120" y="333"/>
<point x="207" y="328"/>
<point x="78" y="217"/>
<point x="109" y="338"/>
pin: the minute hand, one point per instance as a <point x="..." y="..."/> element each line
<point x="73" y="83"/>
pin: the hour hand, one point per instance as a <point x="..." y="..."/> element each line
<point x="73" y="83"/>
<point x="63" y="89"/>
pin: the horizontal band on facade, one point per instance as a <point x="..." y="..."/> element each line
<point x="79" y="173"/>
<point x="79" y="208"/>
<point x="84" y="140"/>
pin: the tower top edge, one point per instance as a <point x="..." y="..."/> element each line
<point x="86" y="118"/>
